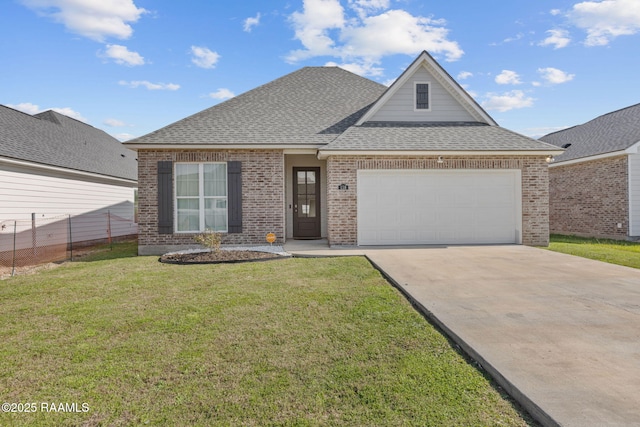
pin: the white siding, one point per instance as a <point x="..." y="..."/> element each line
<point x="444" y="107"/>
<point x="53" y="197"/>
<point x="634" y="194"/>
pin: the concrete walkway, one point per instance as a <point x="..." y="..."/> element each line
<point x="560" y="333"/>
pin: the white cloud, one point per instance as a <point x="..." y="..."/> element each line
<point x="367" y="7"/>
<point x="508" y="77"/>
<point x="324" y="29"/>
<point x="362" y="69"/>
<point x="203" y="57"/>
<point x="151" y="86"/>
<point x="222" y="93"/>
<point x="605" y="20"/>
<point x="29" y="108"/>
<point x="249" y="23"/>
<point x="554" y="76"/>
<point x="114" y="123"/>
<point x="555" y="12"/>
<point x="312" y="26"/>
<point x="507" y="101"/>
<point x="463" y="75"/>
<point x="95" y="19"/>
<point x="557" y="38"/>
<point x="26" y="107"/>
<point x="122" y="137"/>
<point x="123" y="56"/>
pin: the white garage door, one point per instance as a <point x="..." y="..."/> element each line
<point x="400" y="207"/>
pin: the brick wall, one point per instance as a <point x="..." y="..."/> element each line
<point x="590" y="198"/>
<point x="342" y="204"/>
<point x="262" y="196"/>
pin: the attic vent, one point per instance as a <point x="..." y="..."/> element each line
<point x="566" y="145"/>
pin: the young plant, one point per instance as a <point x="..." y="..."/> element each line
<point x="209" y="239"/>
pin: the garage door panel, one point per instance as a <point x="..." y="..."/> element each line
<point x="438" y="207"/>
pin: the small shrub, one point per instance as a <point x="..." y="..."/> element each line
<point x="209" y="239"/>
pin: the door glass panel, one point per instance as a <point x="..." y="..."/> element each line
<point x="311" y="206"/>
<point x="311" y="182"/>
<point x="303" y="206"/>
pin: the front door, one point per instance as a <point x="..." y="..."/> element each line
<point x="306" y="203"/>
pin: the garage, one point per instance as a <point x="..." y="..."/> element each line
<point x="412" y="207"/>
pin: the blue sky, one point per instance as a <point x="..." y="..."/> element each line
<point x="130" y="67"/>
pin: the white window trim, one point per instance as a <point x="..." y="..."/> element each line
<point x="201" y="197"/>
<point x="415" y="97"/>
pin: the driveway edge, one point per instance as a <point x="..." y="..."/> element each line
<point x="527" y="404"/>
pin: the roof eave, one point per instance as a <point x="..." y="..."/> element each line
<point x="136" y="147"/>
<point x="323" y="154"/>
<point x="593" y="157"/>
<point x="93" y="176"/>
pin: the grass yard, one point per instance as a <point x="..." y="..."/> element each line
<point x="297" y="342"/>
<point x="613" y="251"/>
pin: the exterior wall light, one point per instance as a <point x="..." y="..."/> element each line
<point x="550" y="159"/>
<point x="440" y="159"/>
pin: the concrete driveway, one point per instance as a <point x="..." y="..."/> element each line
<point x="560" y="333"/>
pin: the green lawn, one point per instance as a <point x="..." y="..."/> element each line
<point x="297" y="342"/>
<point x="612" y="251"/>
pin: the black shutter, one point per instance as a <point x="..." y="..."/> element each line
<point x="234" y="187"/>
<point x="165" y="197"/>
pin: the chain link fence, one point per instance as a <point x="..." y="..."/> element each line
<point x="44" y="239"/>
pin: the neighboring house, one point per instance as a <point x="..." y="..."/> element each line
<point x="322" y="152"/>
<point x="595" y="184"/>
<point x="55" y="166"/>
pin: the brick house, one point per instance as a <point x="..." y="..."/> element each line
<point x="324" y="153"/>
<point x="595" y="184"/>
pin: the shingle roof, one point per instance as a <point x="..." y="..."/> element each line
<point x="610" y="132"/>
<point x="53" y="139"/>
<point x="309" y="106"/>
<point x="448" y="136"/>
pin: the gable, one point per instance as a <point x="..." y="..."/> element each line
<point x="449" y="101"/>
<point x="443" y="107"/>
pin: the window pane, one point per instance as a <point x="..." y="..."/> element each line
<point x="186" y="180"/>
<point x="215" y="214"/>
<point x="215" y="180"/>
<point x="188" y="215"/>
<point x="422" y="96"/>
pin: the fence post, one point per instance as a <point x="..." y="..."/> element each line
<point x="70" y="241"/>
<point x="34" y="240"/>
<point x="13" y="262"/>
<point x="109" y="230"/>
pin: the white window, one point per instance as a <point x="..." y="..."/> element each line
<point x="201" y="197"/>
<point x="422" y="96"/>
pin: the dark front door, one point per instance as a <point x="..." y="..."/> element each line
<point x="306" y="202"/>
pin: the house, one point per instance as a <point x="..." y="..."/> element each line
<point x="595" y="184"/>
<point x="324" y="153"/>
<point x="53" y="167"/>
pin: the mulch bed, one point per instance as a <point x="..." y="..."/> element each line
<point x="218" y="257"/>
